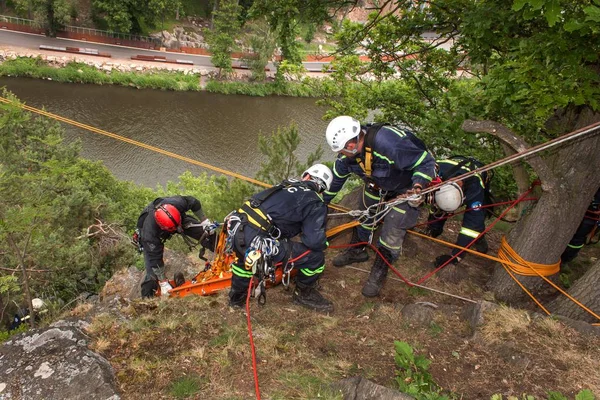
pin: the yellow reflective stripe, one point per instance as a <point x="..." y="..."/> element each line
<point x="241" y="272"/>
<point x="383" y="157"/>
<point x="469" y="232"/>
<point x="252" y="220"/>
<point x="575" y="247"/>
<point x="424" y="176"/>
<point x="312" y="272"/>
<point x="463" y="168"/>
<point x="331" y="193"/>
<point x="480" y="180"/>
<point x="396" y="131"/>
<point x="452" y="162"/>
<point x="371" y="196"/>
<point x="399" y="210"/>
<point x="388" y="246"/>
<point x="369" y="228"/>
<point x="420" y="160"/>
<point x="337" y="174"/>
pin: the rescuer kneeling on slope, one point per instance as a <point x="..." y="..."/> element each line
<point x="263" y="226"/>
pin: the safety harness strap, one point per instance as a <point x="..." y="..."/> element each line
<point x="366" y="165"/>
<point x="256" y="217"/>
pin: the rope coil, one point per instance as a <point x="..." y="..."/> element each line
<point x="520" y="266"/>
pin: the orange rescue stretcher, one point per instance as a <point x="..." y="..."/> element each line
<point x="217" y="275"/>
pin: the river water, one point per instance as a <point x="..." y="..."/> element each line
<point x="220" y="130"/>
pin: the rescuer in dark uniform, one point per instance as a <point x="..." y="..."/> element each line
<point x="590" y="221"/>
<point x="159" y="221"/>
<point x="264" y="225"/>
<point x="392" y="162"/>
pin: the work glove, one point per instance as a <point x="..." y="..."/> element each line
<point x="414" y="196"/>
<point x="441" y="260"/>
<point x="165" y="286"/>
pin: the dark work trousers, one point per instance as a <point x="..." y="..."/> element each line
<point x="395" y="224"/>
<point x="156" y="271"/>
<point x="310" y="266"/>
<point x="578" y="239"/>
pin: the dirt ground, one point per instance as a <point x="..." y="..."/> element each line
<point x="158" y="346"/>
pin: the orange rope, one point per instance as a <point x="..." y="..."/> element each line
<point x="523" y="267"/>
<point x="537" y="272"/>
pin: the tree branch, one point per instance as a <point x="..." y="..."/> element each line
<point x="498" y="130"/>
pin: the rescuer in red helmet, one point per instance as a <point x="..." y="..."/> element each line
<point x="160" y="220"/>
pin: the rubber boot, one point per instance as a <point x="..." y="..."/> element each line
<point x="238" y="294"/>
<point x="308" y="296"/>
<point x="481" y="245"/>
<point x="351" y="255"/>
<point x="379" y="271"/>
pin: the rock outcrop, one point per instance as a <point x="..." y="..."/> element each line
<point x="55" y="363"/>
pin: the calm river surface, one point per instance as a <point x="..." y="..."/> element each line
<point x="215" y="129"/>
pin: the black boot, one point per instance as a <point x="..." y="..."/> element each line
<point x="308" y="296"/>
<point x="238" y="293"/>
<point x="377" y="276"/>
<point x="351" y="254"/>
<point x="481" y="245"/>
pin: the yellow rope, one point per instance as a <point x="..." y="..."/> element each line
<point x="504" y="261"/>
<point x="135" y="142"/>
<point x="337" y="229"/>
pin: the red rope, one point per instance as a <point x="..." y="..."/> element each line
<point x="252" y="348"/>
<point x="487" y="229"/>
<point x="450" y="215"/>
<point x="409" y="283"/>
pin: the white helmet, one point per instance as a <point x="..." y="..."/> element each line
<point x="38" y="304"/>
<point x="340" y="130"/>
<point x="321" y="175"/>
<point x="449" y="197"/>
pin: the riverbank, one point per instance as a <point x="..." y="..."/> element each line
<point x="79" y="68"/>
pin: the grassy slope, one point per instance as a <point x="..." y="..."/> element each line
<point x="199" y="346"/>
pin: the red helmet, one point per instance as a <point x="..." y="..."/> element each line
<point x="167" y="217"/>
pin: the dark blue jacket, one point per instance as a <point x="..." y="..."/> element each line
<point x="299" y="209"/>
<point x="151" y="236"/>
<point x="470" y="187"/>
<point x="399" y="161"/>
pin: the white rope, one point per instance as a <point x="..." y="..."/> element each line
<point x="357" y="214"/>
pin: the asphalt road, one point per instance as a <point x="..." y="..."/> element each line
<point x="32" y="41"/>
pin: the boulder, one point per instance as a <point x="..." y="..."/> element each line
<point x="359" y="388"/>
<point x="55" y="363"/>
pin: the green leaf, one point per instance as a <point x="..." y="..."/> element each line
<point x="518" y="4"/>
<point x="404" y="350"/>
<point x="553" y="395"/>
<point x="536" y="4"/>
<point x="585" y="395"/>
<point x="552" y="12"/>
<point x="592" y="13"/>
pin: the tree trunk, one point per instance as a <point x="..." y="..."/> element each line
<point x="585" y="290"/>
<point x="21" y="258"/>
<point x="212" y="17"/>
<point x="569" y="176"/>
<point x="521" y="179"/>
